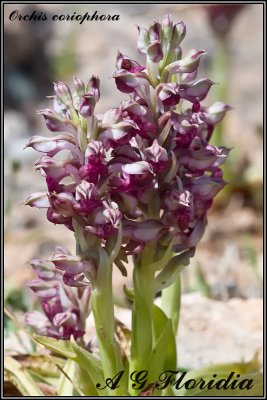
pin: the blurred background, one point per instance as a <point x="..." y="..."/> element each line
<point x="226" y="274"/>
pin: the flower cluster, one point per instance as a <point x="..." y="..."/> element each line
<point x="144" y="171"/>
<point x="64" y="309"/>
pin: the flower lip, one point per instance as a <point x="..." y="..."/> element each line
<point x="126" y="63"/>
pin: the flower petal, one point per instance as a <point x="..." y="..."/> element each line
<point x="139" y="167"/>
<point x="38" y="199"/>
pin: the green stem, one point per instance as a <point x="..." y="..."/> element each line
<point x="74" y="115"/>
<point x="143" y="281"/>
<point x="103" y="311"/>
<point x="102" y="305"/>
<point x="153" y="70"/>
<point x="165" y="75"/>
<point x="166" y="60"/>
<point x="171" y="302"/>
<point x="85" y="382"/>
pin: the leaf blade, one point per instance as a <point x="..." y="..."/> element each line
<point x="22" y="378"/>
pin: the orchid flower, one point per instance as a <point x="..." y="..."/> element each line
<point x="137" y="181"/>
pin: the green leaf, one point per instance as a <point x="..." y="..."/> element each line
<point x="238" y="367"/>
<point x="72" y="351"/>
<point x="91" y="365"/>
<point x="86" y="384"/>
<point x="21" y="378"/>
<point x="164" y="133"/>
<point x="51" y="381"/>
<point x="169" y="273"/>
<point x="164" y="259"/>
<point x="61" y="347"/>
<point x="155" y="361"/>
<point x="163" y="355"/>
<point x="65" y="386"/>
<point x="117" y="245"/>
<point x="160" y="321"/>
<point x="41" y="364"/>
<point x="246" y="370"/>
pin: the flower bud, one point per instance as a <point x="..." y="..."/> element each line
<point x="73" y="265"/>
<point x="79" y="90"/>
<point x="143" y="40"/>
<point x="167" y="28"/>
<point x="154" y="32"/>
<point x="55" y="123"/>
<point x="79" y="86"/>
<point x="187" y="64"/>
<point x="178" y="34"/>
<point x="92" y="87"/>
<point x="216" y="112"/>
<point x="44" y="270"/>
<point x="87" y="105"/>
<point x="206" y="188"/>
<point x="197" y="91"/>
<point x="63" y="93"/>
<point x="52" y="146"/>
<point x="43" y="289"/>
<point x="154" y="52"/>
